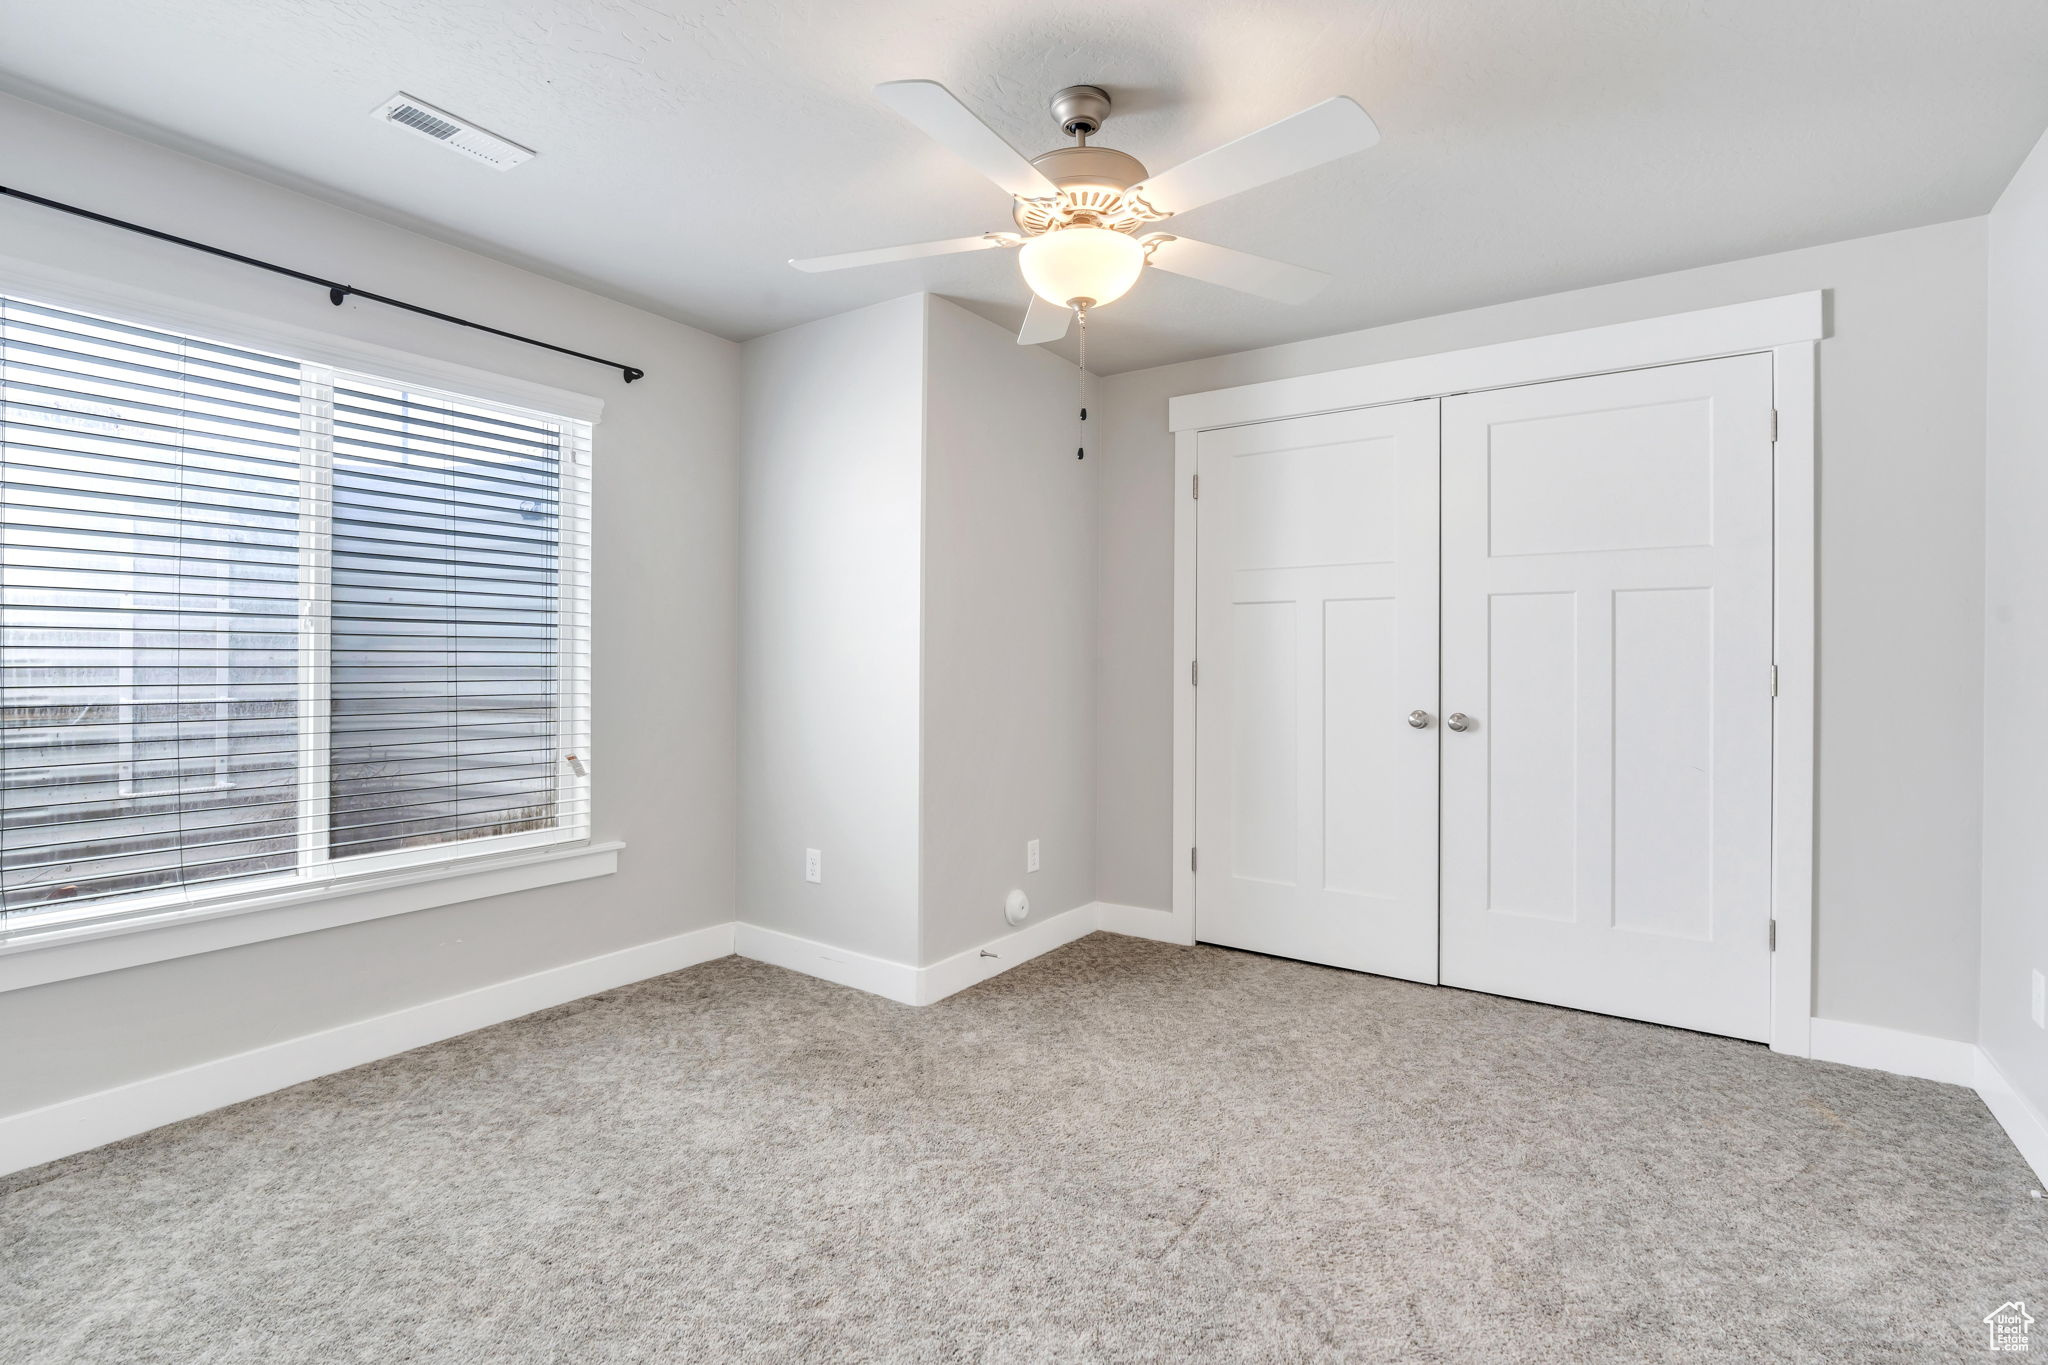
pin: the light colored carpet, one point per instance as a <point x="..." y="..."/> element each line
<point x="1123" y="1151"/>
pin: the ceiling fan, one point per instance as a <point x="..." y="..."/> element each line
<point x="1086" y="214"/>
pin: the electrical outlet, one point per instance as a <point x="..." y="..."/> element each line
<point x="814" y="865"/>
<point x="1031" y="856"/>
<point x="2040" y="1004"/>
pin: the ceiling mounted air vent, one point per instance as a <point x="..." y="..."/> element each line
<point x="417" y="116"/>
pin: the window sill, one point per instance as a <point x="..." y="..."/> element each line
<point x="35" y="959"/>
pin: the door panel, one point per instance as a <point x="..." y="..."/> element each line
<point x="1264" y="724"/>
<point x="1361" y="808"/>
<point x="1532" y="800"/>
<point x="1607" y="627"/>
<point x="1663" y="761"/>
<point x="1316" y="629"/>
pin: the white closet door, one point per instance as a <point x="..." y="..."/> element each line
<point x="1316" y="635"/>
<point x="1607" y="629"/>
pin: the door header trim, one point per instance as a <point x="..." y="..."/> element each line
<point x="1704" y="334"/>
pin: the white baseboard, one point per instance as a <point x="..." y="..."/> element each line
<point x="876" y="975"/>
<point x="958" y="972"/>
<point x="1833" y="1040"/>
<point x="2022" y="1122"/>
<point x="1939" y="1059"/>
<point x="76" y="1125"/>
<point x="1139" y="922"/>
<point x="901" y="982"/>
<point x="1890" y="1049"/>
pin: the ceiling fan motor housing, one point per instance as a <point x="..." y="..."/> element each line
<point x="1092" y="182"/>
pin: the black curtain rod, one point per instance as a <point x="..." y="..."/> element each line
<point x="336" y="292"/>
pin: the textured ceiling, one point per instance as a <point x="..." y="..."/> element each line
<point x="688" y="149"/>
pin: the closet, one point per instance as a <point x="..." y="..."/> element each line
<point x="1484" y="691"/>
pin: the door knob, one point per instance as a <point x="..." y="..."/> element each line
<point x="1457" y="720"/>
<point x="1419" y="719"/>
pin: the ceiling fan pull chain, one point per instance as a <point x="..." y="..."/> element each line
<point x="1081" y="379"/>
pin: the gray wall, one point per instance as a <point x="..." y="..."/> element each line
<point x="831" y="532"/>
<point x="665" y="617"/>
<point x="1901" y="594"/>
<point x="1009" y="601"/>
<point x="917" y="631"/>
<point x="2016" y="633"/>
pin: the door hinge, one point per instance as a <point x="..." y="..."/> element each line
<point x="1198" y="485"/>
<point x="1192" y="860"/>
<point x="1774" y="426"/>
<point x="1774" y="680"/>
<point x="1194" y="673"/>
<point x="1774" y="936"/>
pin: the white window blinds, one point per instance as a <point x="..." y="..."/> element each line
<point x="265" y="624"/>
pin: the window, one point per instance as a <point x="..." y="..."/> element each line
<point x="266" y="625"/>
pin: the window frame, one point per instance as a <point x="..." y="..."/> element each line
<point x="320" y="892"/>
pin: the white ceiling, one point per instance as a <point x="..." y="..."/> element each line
<point x="689" y="147"/>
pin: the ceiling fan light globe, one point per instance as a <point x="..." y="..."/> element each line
<point x="1091" y="263"/>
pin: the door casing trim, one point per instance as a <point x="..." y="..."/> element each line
<point x="1787" y="328"/>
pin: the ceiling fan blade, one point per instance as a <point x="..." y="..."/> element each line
<point x="1239" y="270"/>
<point x="1336" y="127"/>
<point x="934" y="108"/>
<point x="883" y="254"/>
<point x="1044" y="322"/>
